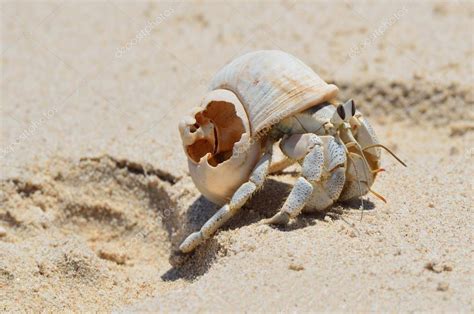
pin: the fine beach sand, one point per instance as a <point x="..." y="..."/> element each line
<point x="95" y="194"/>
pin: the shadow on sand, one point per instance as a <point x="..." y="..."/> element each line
<point x="263" y="204"/>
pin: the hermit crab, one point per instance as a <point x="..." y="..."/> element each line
<point x="267" y="97"/>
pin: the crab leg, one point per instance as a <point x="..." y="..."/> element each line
<point x="240" y="197"/>
<point x="294" y="204"/>
<point x="297" y="147"/>
<point x="321" y="157"/>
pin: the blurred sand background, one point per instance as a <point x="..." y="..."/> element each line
<point x="95" y="193"/>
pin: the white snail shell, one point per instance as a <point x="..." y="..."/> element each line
<point x="223" y="138"/>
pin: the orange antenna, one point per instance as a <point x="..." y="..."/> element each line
<point x="388" y="150"/>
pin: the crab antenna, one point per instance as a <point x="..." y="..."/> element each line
<point x="378" y="170"/>
<point x="372" y="171"/>
<point x="377" y="194"/>
<point x="353" y="142"/>
<point x="388" y="150"/>
<point x="358" y="182"/>
<point x="362" y="156"/>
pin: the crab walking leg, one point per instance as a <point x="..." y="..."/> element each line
<point x="240" y="197"/>
<point x="310" y="147"/>
<point x="295" y="202"/>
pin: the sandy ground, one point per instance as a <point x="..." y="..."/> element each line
<point x="94" y="187"/>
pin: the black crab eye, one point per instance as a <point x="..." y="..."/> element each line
<point x="353" y="108"/>
<point x="341" y="112"/>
